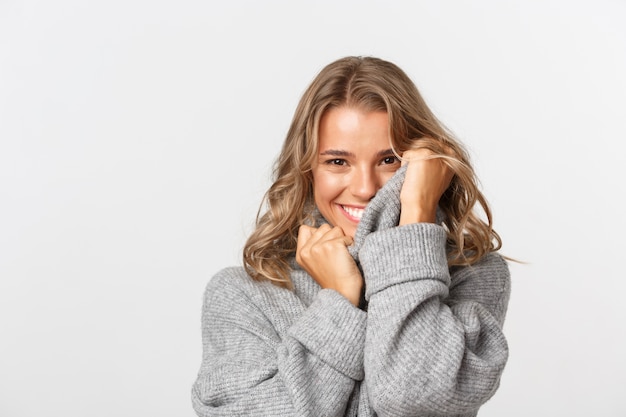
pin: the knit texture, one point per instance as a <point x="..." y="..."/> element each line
<point x="429" y="344"/>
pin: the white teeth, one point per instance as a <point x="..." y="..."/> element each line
<point x="354" y="212"/>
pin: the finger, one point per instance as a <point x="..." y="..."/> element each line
<point x="317" y="234"/>
<point x="348" y="240"/>
<point x="309" y="236"/>
<point x="304" y="235"/>
<point x="336" y="236"/>
<point x="328" y="250"/>
<point x="329" y="234"/>
<point x="414" y="154"/>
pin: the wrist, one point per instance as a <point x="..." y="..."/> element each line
<point x="413" y="214"/>
<point x="352" y="293"/>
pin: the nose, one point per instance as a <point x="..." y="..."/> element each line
<point x="364" y="184"/>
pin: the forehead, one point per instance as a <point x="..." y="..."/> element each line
<point x="349" y="127"/>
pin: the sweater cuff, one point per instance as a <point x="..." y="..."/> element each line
<point x="333" y="330"/>
<point x="405" y="253"/>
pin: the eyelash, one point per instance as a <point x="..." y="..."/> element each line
<point x="391" y="159"/>
<point x="336" y="161"/>
<point x="388" y="160"/>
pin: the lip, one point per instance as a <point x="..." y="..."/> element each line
<point x="349" y="211"/>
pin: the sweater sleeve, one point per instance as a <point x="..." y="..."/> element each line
<point x="251" y="368"/>
<point x="432" y="349"/>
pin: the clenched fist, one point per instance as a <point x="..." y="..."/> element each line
<point x="323" y="253"/>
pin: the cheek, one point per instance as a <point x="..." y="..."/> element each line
<point x="325" y="187"/>
<point x="386" y="177"/>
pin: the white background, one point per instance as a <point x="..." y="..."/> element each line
<point x="137" y="138"/>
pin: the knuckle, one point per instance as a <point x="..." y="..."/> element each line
<point x="318" y="250"/>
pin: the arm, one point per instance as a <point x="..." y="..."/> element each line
<point x="431" y="349"/>
<point x="251" y="367"/>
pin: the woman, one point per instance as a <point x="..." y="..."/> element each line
<point x="370" y="285"/>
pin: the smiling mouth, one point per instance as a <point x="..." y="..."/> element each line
<point x="355" y="213"/>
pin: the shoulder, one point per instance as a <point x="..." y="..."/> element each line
<point x="491" y="267"/>
<point x="233" y="276"/>
<point x="231" y="302"/>
<point x="487" y="281"/>
<point x="231" y="283"/>
<point x="233" y="295"/>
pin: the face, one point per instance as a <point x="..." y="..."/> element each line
<point x="354" y="161"/>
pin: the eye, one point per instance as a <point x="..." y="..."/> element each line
<point x="337" y="161"/>
<point x="389" y="160"/>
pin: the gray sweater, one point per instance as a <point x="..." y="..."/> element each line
<point x="429" y="342"/>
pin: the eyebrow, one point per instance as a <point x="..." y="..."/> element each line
<point x="338" y="152"/>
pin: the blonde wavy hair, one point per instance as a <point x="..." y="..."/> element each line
<point x="369" y="84"/>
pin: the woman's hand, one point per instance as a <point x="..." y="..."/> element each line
<point x="323" y="253"/>
<point x="425" y="182"/>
